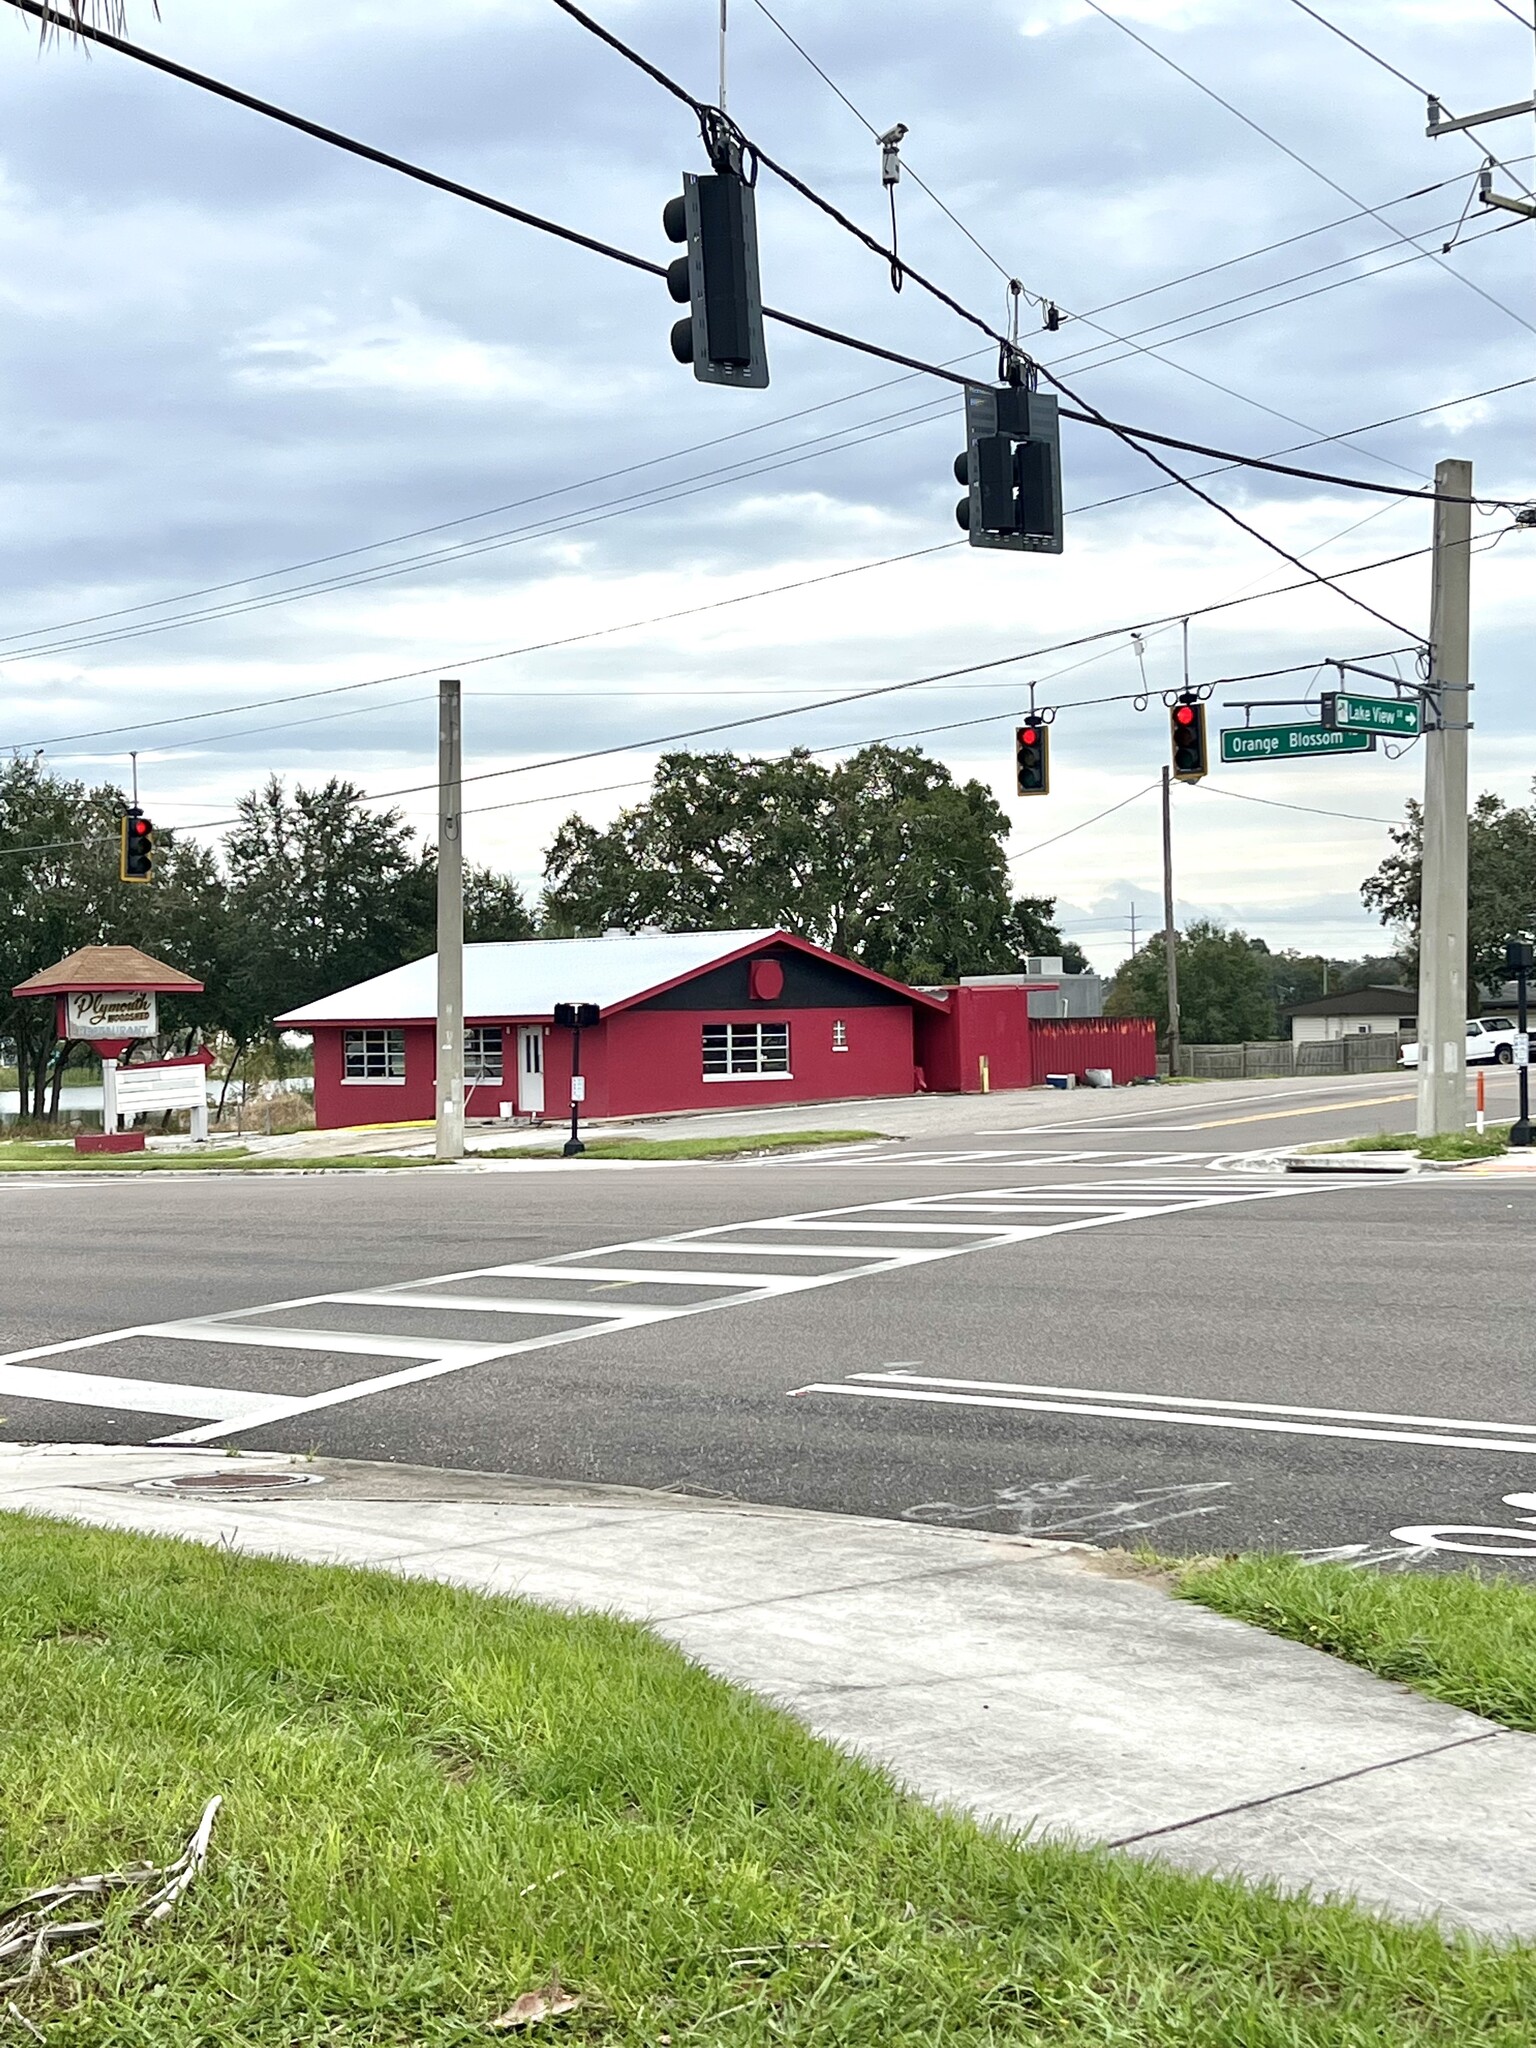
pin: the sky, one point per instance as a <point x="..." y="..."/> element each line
<point x="278" y="421"/>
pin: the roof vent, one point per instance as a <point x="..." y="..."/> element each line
<point x="651" y="931"/>
<point x="615" y="931"/>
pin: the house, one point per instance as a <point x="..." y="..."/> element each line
<point x="1360" y="1012"/>
<point x="687" y="1020"/>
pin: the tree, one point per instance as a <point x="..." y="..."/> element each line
<point x="59" y="872"/>
<point x="1223" y="986"/>
<point x="883" y="857"/>
<point x="1035" y="931"/>
<point x="1501" y="885"/>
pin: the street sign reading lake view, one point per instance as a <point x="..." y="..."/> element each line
<point x="1282" y="742"/>
<point x="1396" y="715"/>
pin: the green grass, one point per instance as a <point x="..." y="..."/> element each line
<point x="692" y="1148"/>
<point x="1446" y="1145"/>
<point x="63" y="1158"/>
<point x="1453" y="1635"/>
<point x="435" y="1801"/>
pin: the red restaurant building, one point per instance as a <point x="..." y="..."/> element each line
<point x="688" y="1020"/>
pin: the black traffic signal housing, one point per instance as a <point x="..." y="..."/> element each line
<point x="1186" y="732"/>
<point x="716" y="217"/>
<point x="577" y="1016"/>
<point x="1032" y="749"/>
<point x="1012" y="469"/>
<point x="136" y="861"/>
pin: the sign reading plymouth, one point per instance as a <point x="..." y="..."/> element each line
<point x="114" y="1013"/>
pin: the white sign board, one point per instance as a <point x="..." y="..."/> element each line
<point x="146" y="1088"/>
<point x="578" y="1087"/>
<point x="1522" y="1049"/>
<point x="118" y="1013"/>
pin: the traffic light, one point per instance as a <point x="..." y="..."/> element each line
<point x="577" y="1016"/>
<point x="1032" y="746"/>
<point x="1011" y="468"/>
<point x="716" y="216"/>
<point x="137" y="859"/>
<point x="1186" y="727"/>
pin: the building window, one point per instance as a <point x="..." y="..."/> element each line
<point x="746" y="1052"/>
<point x="375" y="1055"/>
<point x="839" y="1036"/>
<point x="482" y="1054"/>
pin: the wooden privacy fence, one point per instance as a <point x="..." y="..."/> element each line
<point x="1372" y="1052"/>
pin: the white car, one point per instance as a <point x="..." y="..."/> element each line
<point x="1489" y="1039"/>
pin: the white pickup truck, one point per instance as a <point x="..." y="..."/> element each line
<point x="1489" y="1039"/>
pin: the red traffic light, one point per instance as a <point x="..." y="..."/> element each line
<point x="1184" y="714"/>
<point x="1027" y="736"/>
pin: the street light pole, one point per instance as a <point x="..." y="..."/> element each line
<point x="1443" y="893"/>
<point x="1518" y="955"/>
<point x="450" y="926"/>
<point x="1170" y="935"/>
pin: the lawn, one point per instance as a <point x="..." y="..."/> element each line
<point x="1454" y="1635"/>
<point x="1444" y="1145"/>
<point x="435" y="1802"/>
<point x="26" y="1158"/>
<point x="693" y="1148"/>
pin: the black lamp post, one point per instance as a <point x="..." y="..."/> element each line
<point x="576" y="1018"/>
<point x="1518" y="957"/>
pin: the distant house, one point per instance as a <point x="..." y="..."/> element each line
<point x="1361" y="1012"/>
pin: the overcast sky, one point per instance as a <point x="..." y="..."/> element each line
<point x="231" y="352"/>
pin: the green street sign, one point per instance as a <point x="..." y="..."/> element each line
<point x="1396" y="715"/>
<point x="1284" y="742"/>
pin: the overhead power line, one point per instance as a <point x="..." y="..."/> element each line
<point x="1295" y="155"/>
<point x="541" y="224"/>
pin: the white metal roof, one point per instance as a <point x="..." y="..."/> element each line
<point x="528" y="977"/>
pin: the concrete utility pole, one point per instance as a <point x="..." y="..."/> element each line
<point x="1443" y="887"/>
<point x="1170" y="935"/>
<point x="450" y="926"/>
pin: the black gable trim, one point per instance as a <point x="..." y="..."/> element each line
<point x="809" y="984"/>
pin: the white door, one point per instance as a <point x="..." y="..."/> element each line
<point x="530" y="1069"/>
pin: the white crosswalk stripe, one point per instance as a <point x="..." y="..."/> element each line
<point x="829" y="1247"/>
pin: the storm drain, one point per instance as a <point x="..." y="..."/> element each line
<point x="251" y="1485"/>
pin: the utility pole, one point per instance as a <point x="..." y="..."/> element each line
<point x="450" y="926"/>
<point x="1443" y="887"/>
<point x="1133" y="928"/>
<point x="1170" y="935"/>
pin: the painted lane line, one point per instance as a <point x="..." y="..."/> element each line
<point x="138" y="1397"/>
<point x="902" y="1377"/>
<point x="1182" y="1419"/>
<point x="880" y="1256"/>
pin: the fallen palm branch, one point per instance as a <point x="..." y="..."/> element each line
<point x="35" y="1927"/>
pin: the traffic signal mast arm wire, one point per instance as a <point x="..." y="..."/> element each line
<point x="65" y="23"/>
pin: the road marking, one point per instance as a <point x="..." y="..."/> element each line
<point x="1118" y="1408"/>
<point x="138" y="1397"/>
<point x="1320" y="1109"/>
<point x="890" y="1225"/>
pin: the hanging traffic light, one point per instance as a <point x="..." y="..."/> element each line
<point x="1186" y="727"/>
<point x="716" y="217"/>
<point x="1011" y="468"/>
<point x="1032" y="750"/>
<point x="136" y="862"/>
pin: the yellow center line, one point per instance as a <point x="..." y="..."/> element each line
<point x="1267" y="1116"/>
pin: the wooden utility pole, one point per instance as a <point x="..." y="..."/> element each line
<point x="450" y="926"/>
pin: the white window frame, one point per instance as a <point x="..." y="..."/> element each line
<point x="384" y="1043"/>
<point x="742" y="1043"/>
<point x="840" y="1035"/>
<point x="484" y="1038"/>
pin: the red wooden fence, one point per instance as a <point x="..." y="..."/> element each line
<point x="1069" y="1045"/>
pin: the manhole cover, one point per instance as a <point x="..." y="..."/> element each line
<point x="258" y="1483"/>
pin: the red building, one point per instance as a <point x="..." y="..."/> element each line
<point x="689" y="1020"/>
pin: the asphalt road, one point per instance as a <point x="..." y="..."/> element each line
<point x="1086" y="1316"/>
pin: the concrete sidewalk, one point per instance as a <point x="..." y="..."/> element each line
<point x="1024" y="1681"/>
